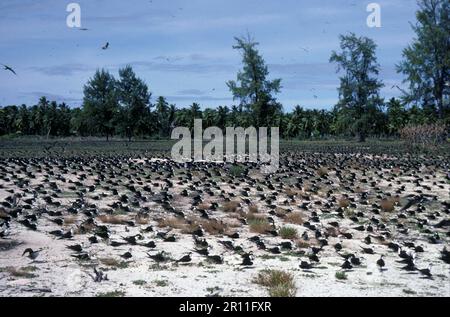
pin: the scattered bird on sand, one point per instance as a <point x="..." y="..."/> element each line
<point x="99" y="276"/>
<point x="76" y="247"/>
<point x="247" y="259"/>
<point x="216" y="259"/>
<point x="445" y="255"/>
<point x="127" y="255"/>
<point x="185" y="259"/>
<point x="347" y="265"/>
<point x="159" y="257"/>
<point x="305" y="265"/>
<point x="380" y="263"/>
<point x="32" y="254"/>
<point x="7" y="68"/>
<point x="427" y="272"/>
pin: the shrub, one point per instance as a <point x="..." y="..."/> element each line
<point x="388" y="204"/>
<point x="230" y="206"/>
<point x="294" y="218"/>
<point x="259" y="225"/>
<point x="341" y="276"/>
<point x="288" y="233"/>
<point x="425" y="135"/>
<point x="237" y="170"/>
<point x="279" y="283"/>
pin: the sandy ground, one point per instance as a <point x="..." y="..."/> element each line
<point x="56" y="273"/>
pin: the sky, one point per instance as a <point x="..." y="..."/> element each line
<point x="183" y="49"/>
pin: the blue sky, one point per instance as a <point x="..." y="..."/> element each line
<point x="183" y="48"/>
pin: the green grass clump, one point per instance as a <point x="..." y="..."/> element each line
<point x="111" y="294"/>
<point x="279" y="283"/>
<point x="289" y="233"/>
<point x="341" y="276"/>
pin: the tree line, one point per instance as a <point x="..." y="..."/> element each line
<point x="122" y="106"/>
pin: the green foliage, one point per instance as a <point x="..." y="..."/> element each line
<point x="101" y="103"/>
<point x="426" y="61"/>
<point x="359" y="106"/>
<point x="134" y="99"/>
<point x="252" y="87"/>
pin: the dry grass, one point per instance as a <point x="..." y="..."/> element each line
<point x="141" y="219"/>
<point x="302" y="244"/>
<point x="111" y="219"/>
<point x="211" y="226"/>
<point x="388" y="204"/>
<point x="280" y="212"/>
<point x="24" y="272"/>
<point x="173" y="222"/>
<point x="230" y="206"/>
<point x="332" y="232"/>
<point x="214" y="226"/>
<point x="343" y="202"/>
<point x="203" y="206"/>
<point x="69" y="220"/>
<point x="253" y="209"/>
<point x="291" y="192"/>
<point x="279" y="283"/>
<point x="259" y="225"/>
<point x="289" y="233"/>
<point x="294" y="218"/>
<point x="3" y="213"/>
<point x="111" y="262"/>
<point x="322" y="171"/>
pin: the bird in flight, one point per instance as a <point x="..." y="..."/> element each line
<point x="6" y="67"/>
<point x="106" y="46"/>
<point x="305" y="49"/>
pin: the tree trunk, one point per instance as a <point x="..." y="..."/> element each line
<point x="362" y="137"/>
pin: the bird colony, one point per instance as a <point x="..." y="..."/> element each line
<point x="341" y="221"/>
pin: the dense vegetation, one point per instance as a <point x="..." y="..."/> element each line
<point x="123" y="106"/>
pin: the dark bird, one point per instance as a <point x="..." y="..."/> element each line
<point x="6" y="67"/>
<point x="247" y="259"/>
<point x="127" y="255"/>
<point x="99" y="276"/>
<point x="445" y="255"/>
<point x="105" y="47"/>
<point x="306" y="265"/>
<point x="32" y="254"/>
<point x="159" y="257"/>
<point x="76" y="248"/>
<point x="426" y="272"/>
<point x="347" y="265"/>
<point x="355" y="260"/>
<point x="368" y="250"/>
<point x="82" y="256"/>
<point x="203" y="252"/>
<point x="185" y="259"/>
<point x="216" y="259"/>
<point x="150" y="245"/>
<point x="380" y="263"/>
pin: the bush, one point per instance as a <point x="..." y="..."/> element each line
<point x="426" y="135"/>
<point x="288" y="233"/>
<point x="279" y="283"/>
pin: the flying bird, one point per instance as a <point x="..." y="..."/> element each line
<point x="106" y="46"/>
<point x="6" y="67"/>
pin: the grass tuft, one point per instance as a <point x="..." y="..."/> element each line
<point x="279" y="283"/>
<point x="288" y="233"/>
